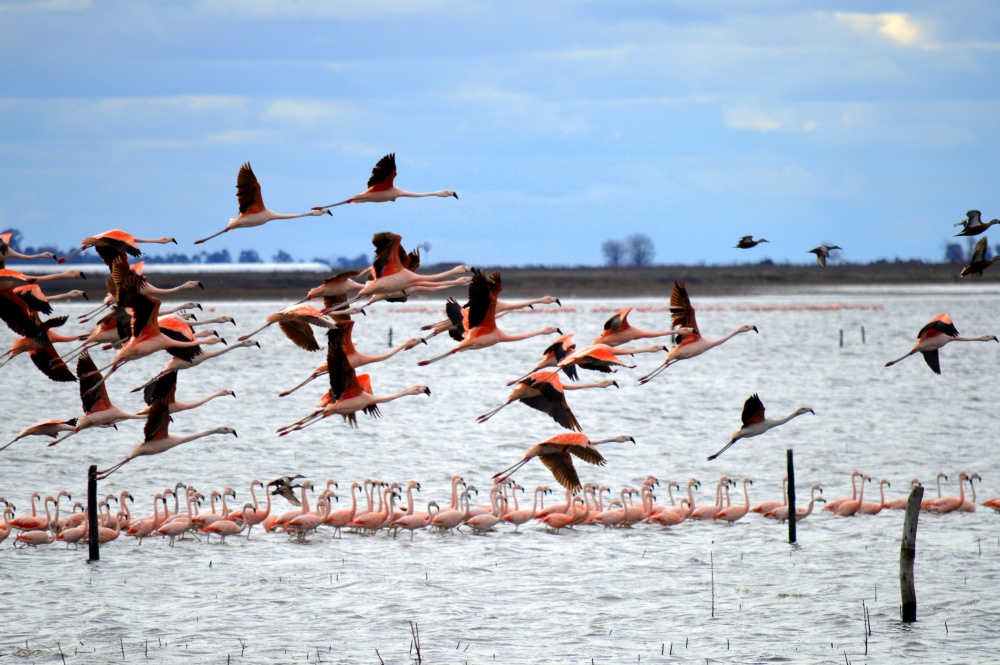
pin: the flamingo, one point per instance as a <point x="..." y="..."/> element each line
<point x="899" y="503"/>
<point x="933" y="336"/>
<point x="706" y="511"/>
<point x="42" y="351"/>
<point x="993" y="503"/>
<point x="34" y="521"/>
<point x="949" y="504"/>
<point x="446" y="520"/>
<point x="8" y="252"/>
<point x="747" y="242"/>
<point x="454" y="325"/>
<point x="771" y="504"/>
<point x="973" y="225"/>
<point x="481" y="331"/>
<point x="618" y="331"/>
<point x="375" y="520"/>
<point x="355" y="357"/>
<point x="226" y="527"/>
<point x="781" y="512"/>
<point x="483" y="523"/>
<point x="822" y="253"/>
<point x="177" y="527"/>
<point x="671" y="517"/>
<point x="34" y="538"/>
<point x="553" y="355"/>
<point x="416" y="521"/>
<point x="177" y="363"/>
<point x="393" y="271"/>
<point x="545" y="393"/>
<point x="979" y="262"/>
<point x="165" y="388"/>
<point x="969" y="506"/>
<point x="851" y="508"/>
<point x="555" y="453"/>
<point x="875" y="507"/>
<point x="112" y="244"/>
<point x="833" y="505"/>
<point x="97" y="407"/>
<point x="525" y="515"/>
<point x="598" y="358"/>
<point x="754" y="422"/>
<point x="253" y="212"/>
<point x="927" y="504"/>
<point x="688" y="344"/>
<point x="256" y="515"/>
<point x="349" y="393"/>
<point x="338" y="286"/>
<point x="338" y="519"/>
<point x="295" y="322"/>
<point x="732" y="513"/>
<point x="45" y="428"/>
<point x="556" y="521"/>
<point x="147" y="525"/>
<point x="301" y="525"/>
<point x="37" y="301"/>
<point x="158" y="439"/>
<point x="381" y="187"/>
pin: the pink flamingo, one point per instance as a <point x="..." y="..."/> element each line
<point x="771" y="504"/>
<point x="873" y="507"/>
<point x="545" y="392"/>
<point x="899" y="503"/>
<point x="689" y="344"/>
<point x="225" y="528"/>
<point x="734" y="513"/>
<point x="933" y="336"/>
<point x="111" y="244"/>
<point x="50" y="428"/>
<point x="949" y="504"/>
<point x="781" y="512"/>
<point x="850" y="508"/>
<point x="706" y="511"/>
<point x="833" y="505"/>
<point x="381" y="187"/>
<point x="557" y="452"/>
<point x="755" y="424"/>
<point x="618" y="331"/>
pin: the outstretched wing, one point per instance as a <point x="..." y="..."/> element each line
<point x="162" y="388"/>
<point x="300" y="333"/>
<point x="93" y="400"/>
<point x="384" y="173"/>
<point x="933" y="360"/>
<point x="561" y="466"/>
<point x="157" y="421"/>
<point x="681" y="311"/>
<point x="483" y="292"/>
<point x="390" y="257"/>
<point x="248" y="191"/>
<point x="753" y="411"/>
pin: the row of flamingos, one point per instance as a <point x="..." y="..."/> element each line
<point x="374" y="507"/>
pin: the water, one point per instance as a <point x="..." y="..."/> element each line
<point x="611" y="596"/>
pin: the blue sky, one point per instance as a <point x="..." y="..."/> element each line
<point x="872" y="125"/>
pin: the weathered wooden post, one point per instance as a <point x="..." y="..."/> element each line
<point x="791" y="496"/>
<point x="93" y="535"/>
<point x="908" y="553"/>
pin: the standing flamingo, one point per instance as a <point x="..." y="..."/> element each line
<point x="933" y="336"/>
<point x="851" y="508"/>
<point x="949" y="504"/>
<point x="875" y="507"/>
<point x="381" y="187"/>
<point x="733" y="513"/>
<point x="253" y="212"/>
<point x="781" y="512"/>
<point x="688" y="344"/>
<point x="754" y="422"/>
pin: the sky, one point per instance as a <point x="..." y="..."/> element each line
<point x="563" y="124"/>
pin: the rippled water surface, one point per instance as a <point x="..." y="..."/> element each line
<point x="644" y="594"/>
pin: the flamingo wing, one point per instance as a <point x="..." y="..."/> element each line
<point x="941" y="325"/>
<point x="616" y="321"/>
<point x="457" y="317"/>
<point x="550" y="400"/>
<point x="753" y="411"/>
<point x="33" y="297"/>
<point x="185" y="353"/>
<point x="342" y="376"/>
<point x="390" y="257"/>
<point x="93" y="400"/>
<point x="248" y="191"/>
<point x="162" y="388"/>
<point x="48" y="361"/>
<point x="300" y="333"/>
<point x="15" y="313"/>
<point x="933" y="360"/>
<point x="561" y="465"/>
<point x="483" y="292"/>
<point x="682" y="313"/>
<point x="383" y="174"/>
<point x="588" y="454"/>
<point x="157" y="421"/>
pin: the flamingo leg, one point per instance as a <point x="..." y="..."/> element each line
<point x="486" y="416"/>
<point x="332" y="205"/>
<point x="84" y="318"/>
<point x="652" y="375"/>
<point x="724" y="449"/>
<point x="893" y="362"/>
<point x="66" y="258"/>
<point x="424" y="363"/>
<point x="63" y="438"/>
<point x="214" y="235"/>
<point x="315" y="375"/>
<point x="101" y="475"/>
<point x="506" y="473"/>
<point x="248" y="336"/>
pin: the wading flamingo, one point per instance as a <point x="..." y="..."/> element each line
<point x="875" y="507"/>
<point x="754" y="422"/>
<point x="381" y="187"/>
<point x="832" y="505"/>
<point x="689" y="344"/>
<point x="733" y="513"/>
<point x="781" y="512"/>
<point x="899" y="503"/>
<point x="253" y="212"/>
<point x="933" y="336"/>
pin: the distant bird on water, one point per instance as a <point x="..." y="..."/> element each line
<point x="253" y="212"/>
<point x="933" y="336"/>
<point x="381" y="187"/>
<point x="823" y="253"/>
<point x="747" y="242"/>
<point x="979" y="262"/>
<point x="754" y="422"/>
<point x="974" y="225"/>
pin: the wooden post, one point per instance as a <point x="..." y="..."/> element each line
<point x="791" y="496"/>
<point x="390" y="337"/>
<point x="841" y="338"/>
<point x="95" y="549"/>
<point x="862" y="334"/>
<point x="908" y="553"/>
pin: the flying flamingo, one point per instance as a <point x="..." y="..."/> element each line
<point x="50" y="428"/>
<point x="553" y="355"/>
<point x="253" y="212"/>
<point x="349" y="393"/>
<point x="295" y="322"/>
<point x="42" y="352"/>
<point x="157" y="438"/>
<point x="355" y="357"/>
<point x="177" y="363"/>
<point x="979" y="262"/>
<point x="36" y="299"/>
<point x="754" y="422"/>
<point x="933" y="336"/>
<point x="544" y="392"/>
<point x="618" y="331"/>
<point x="454" y="325"/>
<point x="112" y="244"/>
<point x="747" y="242"/>
<point x="556" y="454"/>
<point x="338" y="286"/>
<point x="597" y="358"/>
<point x="8" y="252"/>
<point x="381" y="187"/>
<point x="689" y="344"/>
<point x="822" y="253"/>
<point x="97" y="407"/>
<point x="973" y="225"/>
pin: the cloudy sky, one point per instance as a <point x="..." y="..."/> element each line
<point x="872" y="125"/>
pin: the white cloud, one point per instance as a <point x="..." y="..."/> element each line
<point x="307" y="112"/>
<point x="343" y="9"/>
<point x="900" y="28"/>
<point x="773" y="120"/>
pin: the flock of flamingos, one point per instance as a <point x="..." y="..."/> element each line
<point x="135" y="326"/>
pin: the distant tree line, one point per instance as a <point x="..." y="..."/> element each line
<point x="635" y="250"/>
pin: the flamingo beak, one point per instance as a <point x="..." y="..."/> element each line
<point x="201" y="286"/>
<point x="454" y="194"/>
<point x="755" y="330"/>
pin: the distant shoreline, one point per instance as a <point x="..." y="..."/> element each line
<point x="588" y="282"/>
